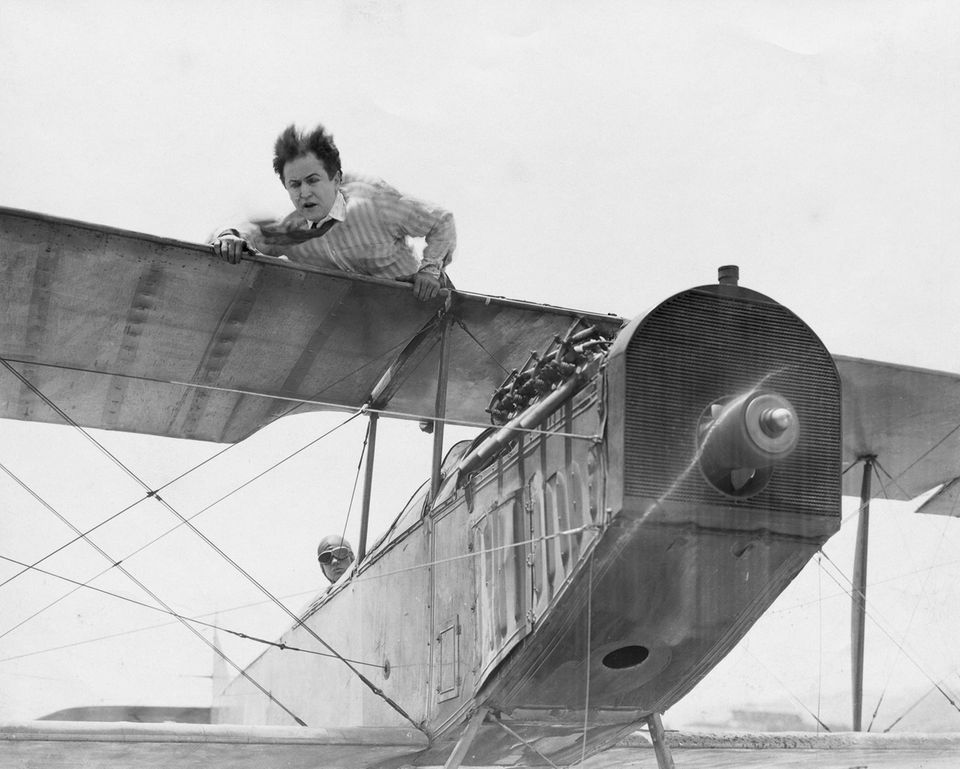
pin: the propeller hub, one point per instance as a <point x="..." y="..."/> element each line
<point x="742" y="438"/>
<point x="774" y="422"/>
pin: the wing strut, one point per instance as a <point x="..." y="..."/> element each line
<point x="367" y="486"/>
<point x="440" y="409"/>
<point x="859" y="606"/>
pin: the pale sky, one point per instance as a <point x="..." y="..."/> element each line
<point x="601" y="156"/>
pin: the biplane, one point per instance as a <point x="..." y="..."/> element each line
<point x="641" y="493"/>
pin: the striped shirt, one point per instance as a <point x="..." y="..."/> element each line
<point x="371" y="234"/>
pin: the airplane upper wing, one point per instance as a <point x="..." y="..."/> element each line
<point x="126" y="331"/>
<point x="132" y="745"/>
<point x="909" y="419"/>
<point x="132" y="332"/>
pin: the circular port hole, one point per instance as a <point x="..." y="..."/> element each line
<point x="626" y="657"/>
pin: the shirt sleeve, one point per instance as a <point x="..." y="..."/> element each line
<point x="252" y="232"/>
<point x="420" y="219"/>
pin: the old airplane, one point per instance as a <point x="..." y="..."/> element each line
<point x="645" y="491"/>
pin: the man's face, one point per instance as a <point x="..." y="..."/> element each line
<point x="311" y="191"/>
<point x="338" y="560"/>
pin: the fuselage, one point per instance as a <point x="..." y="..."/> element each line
<point x="595" y="568"/>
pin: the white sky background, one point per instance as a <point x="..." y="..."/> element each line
<point x="600" y="156"/>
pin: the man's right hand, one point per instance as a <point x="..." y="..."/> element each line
<point x="229" y="247"/>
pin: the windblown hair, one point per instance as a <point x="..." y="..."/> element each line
<point x="292" y="144"/>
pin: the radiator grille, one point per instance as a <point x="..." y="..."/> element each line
<point x="700" y="346"/>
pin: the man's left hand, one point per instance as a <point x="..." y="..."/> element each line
<point x="425" y="286"/>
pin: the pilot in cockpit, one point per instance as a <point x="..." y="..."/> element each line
<point x="335" y="556"/>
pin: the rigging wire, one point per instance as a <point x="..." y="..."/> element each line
<point x="129" y="575"/>
<point x="926" y="453"/>
<point x="115" y="515"/>
<point x="356" y="480"/>
<point x="877" y="468"/>
<point x="175" y="615"/>
<point x="157" y="538"/>
<point x="6" y="363"/>
<point x="459" y="322"/>
<point x="516" y="736"/>
<point x="139" y="629"/>
<point x="476" y="553"/>
<point x="906" y="632"/>
<point x="887" y="633"/>
<point x="299" y="401"/>
<point x="814" y="716"/>
<point x="842" y="594"/>
<point x="361" y="578"/>
<point x="907" y="712"/>
<point x="367" y="682"/>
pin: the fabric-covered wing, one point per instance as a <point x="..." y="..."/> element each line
<point x="71" y="744"/>
<point x="909" y="419"/>
<point x="131" y="332"/>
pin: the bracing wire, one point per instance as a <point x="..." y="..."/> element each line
<point x="249" y="577"/>
<point x="814" y="716"/>
<point x="361" y="578"/>
<point x="6" y="364"/>
<point x="906" y="631"/>
<point x="516" y="736"/>
<point x="492" y="357"/>
<point x="112" y="517"/>
<point x="887" y="633"/>
<point x="158" y="537"/>
<point x="129" y="575"/>
<point x="356" y="480"/>
<point x="877" y="469"/>
<point x="175" y="615"/>
<point x="299" y="401"/>
<point x="907" y="712"/>
<point x="139" y="629"/>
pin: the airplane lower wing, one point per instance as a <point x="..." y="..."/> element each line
<point x="53" y="744"/>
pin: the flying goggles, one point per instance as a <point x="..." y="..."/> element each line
<point x="337" y="553"/>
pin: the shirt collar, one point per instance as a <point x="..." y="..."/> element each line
<point x="338" y="211"/>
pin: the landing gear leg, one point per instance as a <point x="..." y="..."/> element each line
<point x="660" y="747"/>
<point x="466" y="739"/>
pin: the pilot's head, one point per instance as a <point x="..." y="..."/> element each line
<point x="335" y="556"/>
<point x="308" y="164"/>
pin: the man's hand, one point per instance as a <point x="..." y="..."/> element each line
<point x="229" y="247"/>
<point x="425" y="286"/>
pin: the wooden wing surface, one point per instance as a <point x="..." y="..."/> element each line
<point x="125" y="331"/>
<point x="908" y="419"/>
